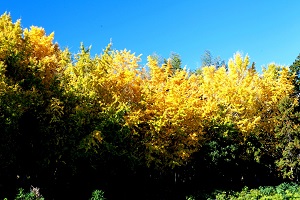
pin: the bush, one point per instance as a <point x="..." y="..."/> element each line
<point x="281" y="192"/>
<point x="34" y="194"/>
<point x="97" y="195"/>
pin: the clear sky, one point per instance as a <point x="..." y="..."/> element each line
<point x="267" y="30"/>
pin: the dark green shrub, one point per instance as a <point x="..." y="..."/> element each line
<point x="283" y="191"/>
<point x="34" y="194"/>
<point x="97" y="195"/>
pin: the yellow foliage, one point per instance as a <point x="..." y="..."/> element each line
<point x="167" y="110"/>
<point x="170" y="110"/>
<point x="250" y="100"/>
<point x="30" y="49"/>
<point x="44" y="53"/>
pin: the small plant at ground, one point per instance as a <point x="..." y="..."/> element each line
<point x="190" y="198"/>
<point x="34" y="194"/>
<point x="97" y="195"/>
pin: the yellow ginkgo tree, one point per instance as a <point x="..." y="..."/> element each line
<point x="168" y="111"/>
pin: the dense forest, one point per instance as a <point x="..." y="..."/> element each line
<point x="74" y="123"/>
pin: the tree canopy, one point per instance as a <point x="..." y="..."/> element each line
<point x="64" y="115"/>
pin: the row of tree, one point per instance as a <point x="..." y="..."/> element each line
<point x="70" y="124"/>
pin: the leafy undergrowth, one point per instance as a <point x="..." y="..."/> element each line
<point x="283" y="191"/>
<point x="34" y="194"/>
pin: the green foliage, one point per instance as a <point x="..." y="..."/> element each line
<point x="223" y="144"/>
<point x="208" y="60"/>
<point x="283" y="191"/>
<point x="34" y="194"/>
<point x="175" y="61"/>
<point x="295" y="69"/>
<point x="287" y="133"/>
<point x="97" y="195"/>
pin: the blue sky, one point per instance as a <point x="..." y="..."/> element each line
<point x="267" y="30"/>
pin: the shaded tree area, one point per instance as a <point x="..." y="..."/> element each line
<point x="71" y="124"/>
<point x="295" y="70"/>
